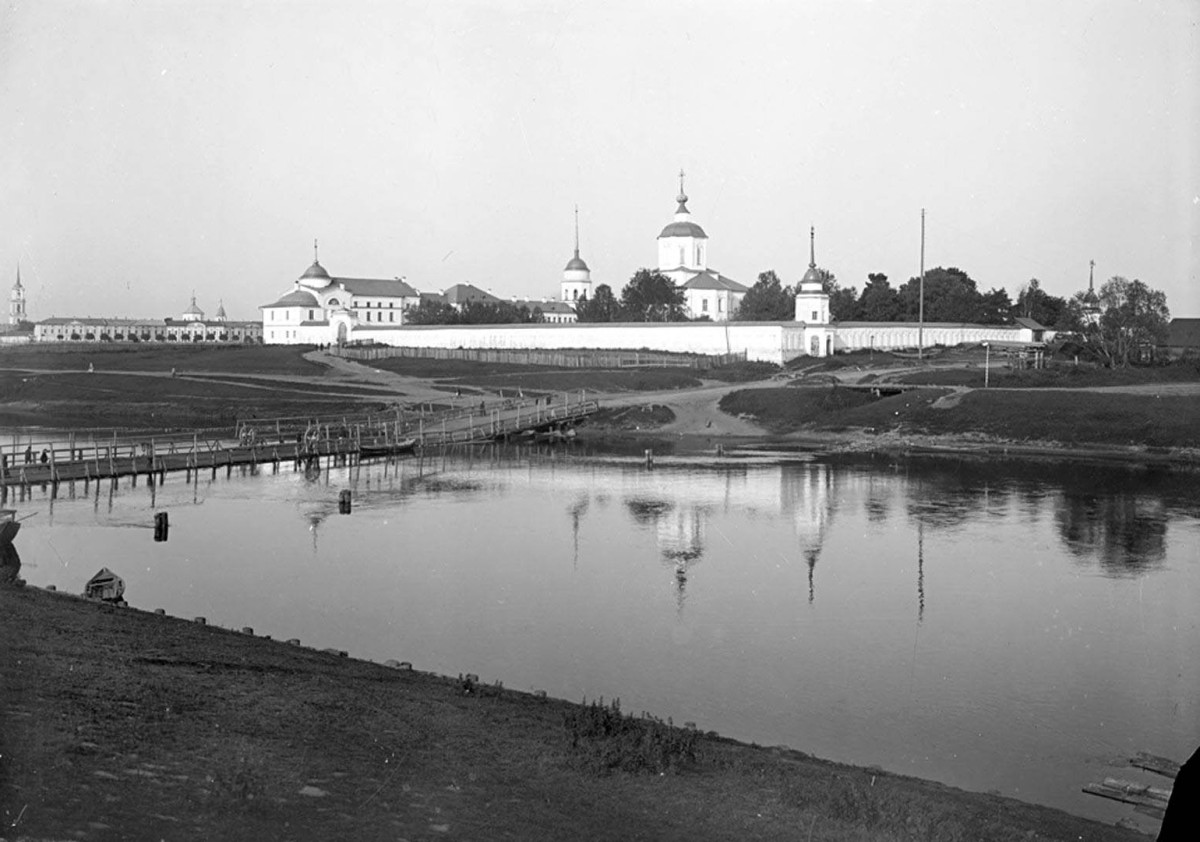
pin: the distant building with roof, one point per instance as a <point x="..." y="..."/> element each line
<point x="1183" y="338"/>
<point x="190" y="326"/>
<point x="320" y="308"/>
<point x="460" y="295"/>
<point x="683" y="257"/>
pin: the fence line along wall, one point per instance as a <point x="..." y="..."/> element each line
<point x="775" y="342"/>
<point x="558" y="359"/>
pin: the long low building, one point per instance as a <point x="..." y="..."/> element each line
<point x="86" y="329"/>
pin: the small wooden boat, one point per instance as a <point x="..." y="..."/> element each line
<point x="106" y="586"/>
<point x="387" y="448"/>
<point x="9" y="526"/>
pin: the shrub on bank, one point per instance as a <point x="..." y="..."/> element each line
<point x="606" y="741"/>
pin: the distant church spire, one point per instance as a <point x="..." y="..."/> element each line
<point x="18" y="286"/>
<point x="812" y="247"/>
<point x="682" y="197"/>
<point x="577" y="230"/>
<point x="1091" y="276"/>
<point x="315" y="260"/>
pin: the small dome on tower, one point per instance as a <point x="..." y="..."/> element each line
<point x="576" y="264"/>
<point x="316" y="271"/>
<point x="193" y="313"/>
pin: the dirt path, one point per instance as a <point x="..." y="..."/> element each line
<point x="413" y="388"/>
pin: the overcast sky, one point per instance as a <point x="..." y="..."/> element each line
<point x="151" y="149"/>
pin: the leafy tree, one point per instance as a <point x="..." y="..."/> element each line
<point x="1133" y="318"/>
<point x="767" y="301"/>
<point x="995" y="308"/>
<point x="651" y="296"/>
<point x="950" y="296"/>
<point x="843" y="303"/>
<point x="878" y="302"/>
<point x="1034" y="303"/>
<point x="494" y="313"/>
<point x="472" y="313"/>
<point x="602" y="307"/>
<point x="430" y="312"/>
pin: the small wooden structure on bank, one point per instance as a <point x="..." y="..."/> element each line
<point x="1151" y="800"/>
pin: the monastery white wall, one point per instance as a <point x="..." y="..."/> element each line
<point x="775" y="342"/>
<point x="854" y="336"/>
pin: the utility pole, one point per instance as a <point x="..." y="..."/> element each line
<point x="921" y="304"/>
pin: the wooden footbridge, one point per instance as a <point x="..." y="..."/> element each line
<point x="32" y="460"/>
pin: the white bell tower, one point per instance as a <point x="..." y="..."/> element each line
<point x="16" y="301"/>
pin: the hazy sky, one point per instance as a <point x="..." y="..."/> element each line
<point x="154" y="148"/>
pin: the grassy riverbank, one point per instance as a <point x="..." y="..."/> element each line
<point x="122" y="724"/>
<point x="1067" y="417"/>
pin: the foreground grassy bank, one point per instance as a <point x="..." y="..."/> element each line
<point x="122" y="724"/>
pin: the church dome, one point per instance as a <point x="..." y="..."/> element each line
<point x="576" y="264"/>
<point x="297" y="298"/>
<point x="683" y="229"/>
<point x="315" y="271"/>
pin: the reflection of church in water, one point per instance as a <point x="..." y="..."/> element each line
<point x="808" y="496"/>
<point x="805" y="494"/>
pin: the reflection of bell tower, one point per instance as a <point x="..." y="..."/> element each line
<point x="812" y="503"/>
<point x="681" y="541"/>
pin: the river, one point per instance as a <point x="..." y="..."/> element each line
<point x="1016" y="628"/>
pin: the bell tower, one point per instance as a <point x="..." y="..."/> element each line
<point x="16" y="301"/>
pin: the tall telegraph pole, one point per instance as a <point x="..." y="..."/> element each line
<point x="921" y="304"/>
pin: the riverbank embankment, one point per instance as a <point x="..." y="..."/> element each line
<point x="123" y="723"/>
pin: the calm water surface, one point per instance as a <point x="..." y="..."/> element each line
<point x="1015" y="629"/>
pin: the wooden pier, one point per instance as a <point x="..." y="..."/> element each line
<point x="27" y="461"/>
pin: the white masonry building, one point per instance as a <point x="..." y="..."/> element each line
<point x="320" y="308"/>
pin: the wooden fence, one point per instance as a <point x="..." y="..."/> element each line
<point x="580" y="358"/>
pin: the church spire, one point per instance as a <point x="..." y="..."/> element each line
<point x="682" y="197"/>
<point x="812" y="247"/>
<point x="18" y="286"/>
<point x="315" y="260"/>
<point x="577" y="230"/>
<point x="1091" y="276"/>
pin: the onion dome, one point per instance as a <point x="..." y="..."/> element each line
<point x="683" y="225"/>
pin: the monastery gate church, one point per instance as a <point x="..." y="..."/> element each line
<point x="322" y="309"/>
